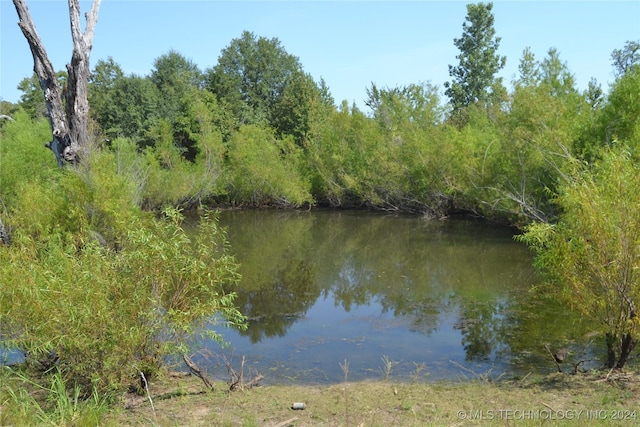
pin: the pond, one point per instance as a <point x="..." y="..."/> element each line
<point x="335" y="294"/>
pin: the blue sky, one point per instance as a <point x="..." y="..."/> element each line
<point x="348" y="43"/>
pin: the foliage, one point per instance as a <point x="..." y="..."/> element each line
<point x="263" y="84"/>
<point x="21" y="148"/>
<point x="555" y="75"/>
<point x="174" y="76"/>
<point x="170" y="180"/>
<point x="620" y="118"/>
<point x="339" y="156"/>
<point x="627" y="58"/>
<point x="27" y="402"/>
<point x="299" y="103"/>
<point x="123" y="106"/>
<point x="32" y="98"/>
<point x="474" y="78"/>
<point x="416" y="105"/>
<point x="99" y="289"/>
<point x="251" y="74"/>
<point x="265" y="170"/>
<point x="591" y="257"/>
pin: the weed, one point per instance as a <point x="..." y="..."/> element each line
<point x="27" y="402"/>
<point x="345" y="370"/>
<point x="387" y="368"/>
<point x="419" y="367"/>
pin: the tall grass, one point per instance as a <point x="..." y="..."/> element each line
<point x="26" y="402"/>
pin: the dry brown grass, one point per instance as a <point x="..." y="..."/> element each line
<point x="530" y="401"/>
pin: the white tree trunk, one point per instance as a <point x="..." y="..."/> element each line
<point x="69" y="122"/>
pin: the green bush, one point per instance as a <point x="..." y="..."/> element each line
<point x="94" y="286"/>
<point x="590" y="259"/>
<point x="23" y="157"/>
<point x="265" y="170"/>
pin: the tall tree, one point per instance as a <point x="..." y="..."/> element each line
<point x="556" y="76"/>
<point x="123" y="106"/>
<point x="529" y="69"/>
<point x="174" y="76"/>
<point x="626" y="58"/>
<point x="69" y="117"/>
<point x="474" y="78"/>
<point x="253" y="76"/>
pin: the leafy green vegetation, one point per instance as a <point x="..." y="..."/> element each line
<point x="97" y="288"/>
<point x="474" y="78"/>
<point x="101" y="281"/>
<point x="591" y="255"/>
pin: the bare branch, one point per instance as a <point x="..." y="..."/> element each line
<point x="92" y="19"/>
<point x="195" y="370"/>
<point x="69" y="122"/>
<point x="43" y="68"/>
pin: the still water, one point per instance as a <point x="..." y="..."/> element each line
<point x="377" y="296"/>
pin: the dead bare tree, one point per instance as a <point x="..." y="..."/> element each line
<point x="68" y="109"/>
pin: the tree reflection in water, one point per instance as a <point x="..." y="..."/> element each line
<point x="279" y="300"/>
<point x="398" y="284"/>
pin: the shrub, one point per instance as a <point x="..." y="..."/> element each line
<point x="103" y="291"/>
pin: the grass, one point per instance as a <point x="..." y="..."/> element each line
<point x="25" y="402"/>
<point x="556" y="399"/>
<point x="595" y="398"/>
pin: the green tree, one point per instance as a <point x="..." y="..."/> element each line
<point x="620" y="118"/>
<point x="594" y="94"/>
<point x="626" y="58"/>
<point x="250" y="75"/>
<point x="528" y="68"/>
<point x="590" y="259"/>
<point x="556" y="76"/>
<point x="32" y="98"/>
<point x="300" y="102"/>
<point x="174" y="76"/>
<point x="474" y="78"/>
<point x="123" y="106"/>
<point x="263" y="84"/>
<point x="401" y="107"/>
<point x="615" y="120"/>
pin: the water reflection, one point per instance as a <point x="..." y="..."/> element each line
<point x="275" y="302"/>
<point x="321" y="287"/>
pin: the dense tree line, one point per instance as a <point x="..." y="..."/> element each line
<point x="256" y="130"/>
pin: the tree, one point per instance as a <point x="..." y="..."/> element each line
<point x="555" y="74"/>
<point x="174" y="76"/>
<point x="401" y="107"/>
<point x="69" y="117"/>
<point x="32" y="98"/>
<point x="626" y="58"/>
<point x="621" y="115"/>
<point x="296" y="106"/>
<point x="252" y="76"/>
<point x="265" y="170"/>
<point x="123" y="106"/>
<point x="590" y="259"/>
<point x="474" y="78"/>
<point x="528" y="67"/>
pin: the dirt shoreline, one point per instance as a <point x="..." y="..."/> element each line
<point x="595" y="398"/>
